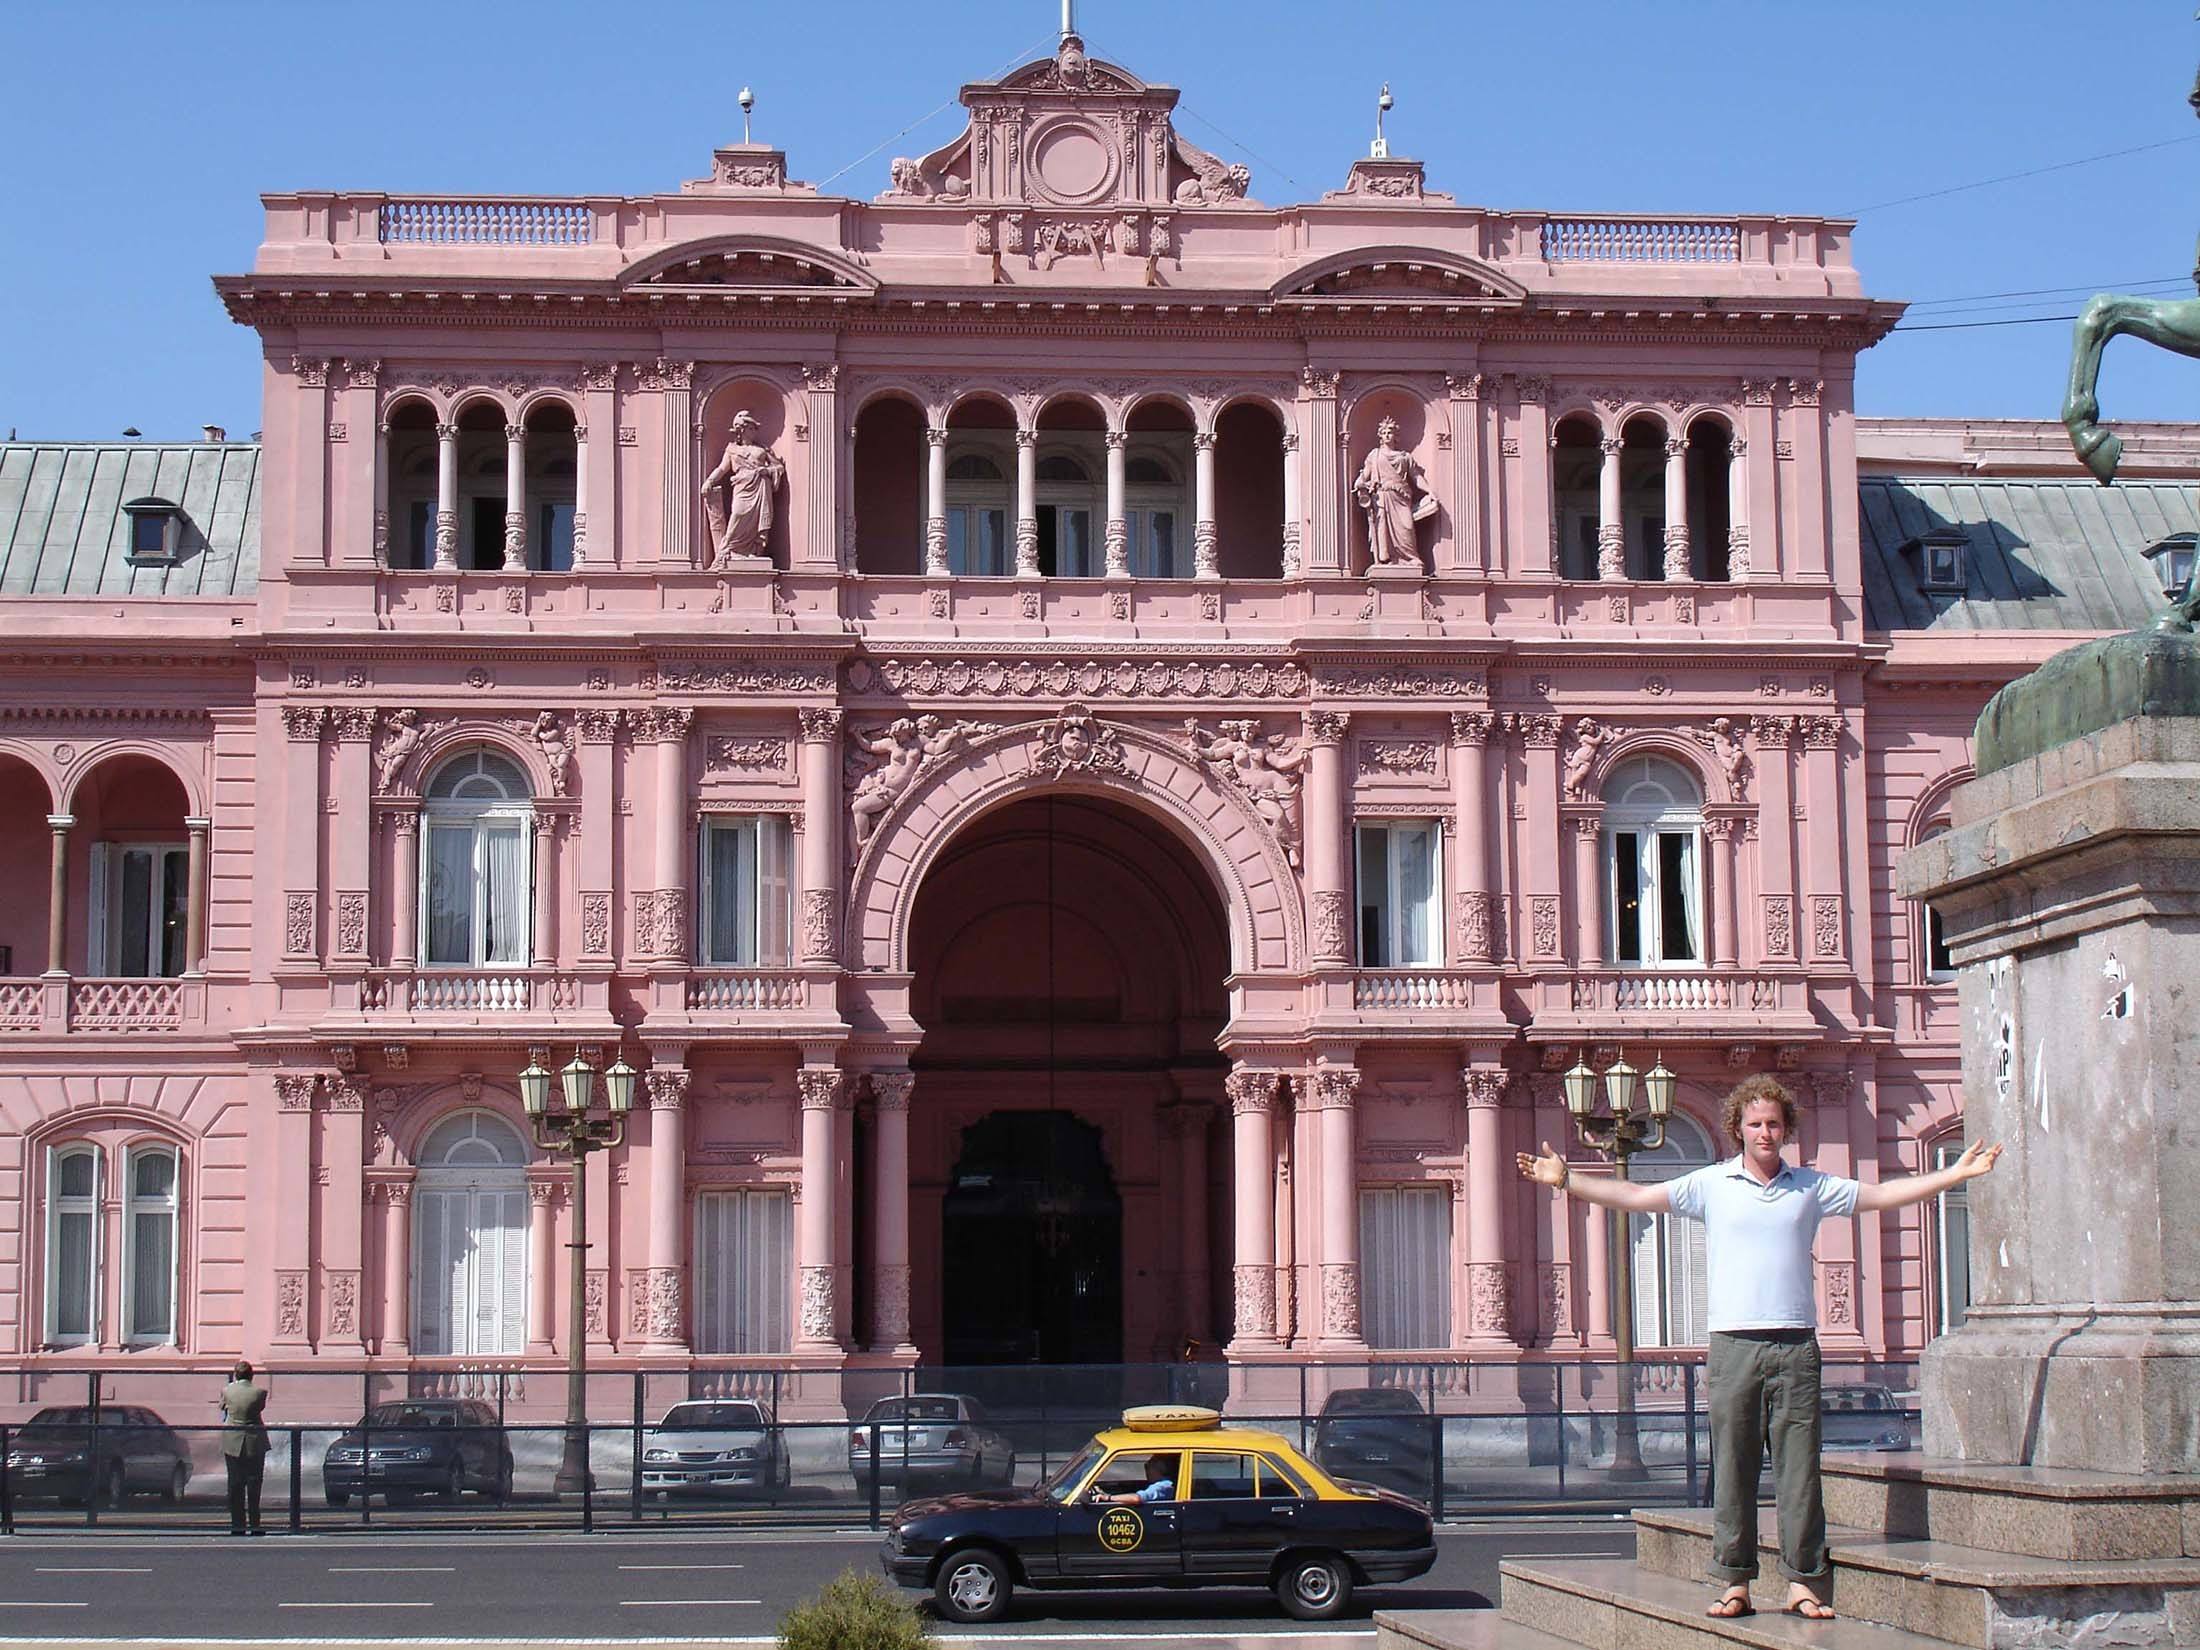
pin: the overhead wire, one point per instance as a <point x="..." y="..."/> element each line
<point x="1021" y="57"/>
<point x="2031" y="172"/>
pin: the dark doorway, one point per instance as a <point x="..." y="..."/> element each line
<point x="1032" y="1245"/>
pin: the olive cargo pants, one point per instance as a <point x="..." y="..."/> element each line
<point x="1764" y="1390"/>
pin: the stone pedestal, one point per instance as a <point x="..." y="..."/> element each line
<point x="2069" y="892"/>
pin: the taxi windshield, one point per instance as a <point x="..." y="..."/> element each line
<point x="1063" y="1483"/>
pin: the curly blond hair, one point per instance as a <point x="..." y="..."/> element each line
<point x="1762" y="1086"/>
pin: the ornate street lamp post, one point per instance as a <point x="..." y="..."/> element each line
<point x="575" y="1132"/>
<point x="1619" y="1134"/>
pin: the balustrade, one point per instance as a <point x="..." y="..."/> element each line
<point x="484" y="223"/>
<point x="1641" y="241"/>
<point x="745" y="991"/>
<point x="1419" y="988"/>
<point x="469" y="991"/>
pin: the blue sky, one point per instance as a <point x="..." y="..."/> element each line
<point x="137" y="137"/>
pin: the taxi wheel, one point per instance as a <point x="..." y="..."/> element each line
<point x="1313" y="1586"/>
<point x="973" y="1586"/>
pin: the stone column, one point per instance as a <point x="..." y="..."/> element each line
<point x="289" y="1188"/>
<point x="446" y="497"/>
<point x="890" y="1209"/>
<point x="674" y="381"/>
<point x="1294" y="508"/>
<point x="542" y="1270"/>
<point x="1206" y="563"/>
<point x="1527" y="479"/>
<point x="1611" y="529"/>
<point x="1118" y="539"/>
<point x="1325" y="505"/>
<point x="1489" y="1279"/>
<point x="580" y="498"/>
<point x="817" y="766"/>
<point x="57" y="898"/>
<point x="299" y="832"/>
<point x="671" y="827"/>
<point x="1192" y="1118"/>
<point x="1775" y="838"/>
<point x="1587" y="831"/>
<point x="194" y="940"/>
<point x="542" y="948"/>
<point x="666" y="1288"/>
<point x="1822" y="816"/>
<point x="1473" y="880"/>
<point x="820" y="548"/>
<point x="1720" y="832"/>
<point x="935" y="500"/>
<point x="1737" y="509"/>
<point x="515" y="498"/>
<point x="1027" y="504"/>
<point x="1253" y="1212"/>
<point x="1332" y="1093"/>
<point x="404" y="887"/>
<point x="1542" y="865"/>
<point x="1328" y="832"/>
<point x="1676" y="510"/>
<point x="821" y="1089"/>
<point x="396" y="1268"/>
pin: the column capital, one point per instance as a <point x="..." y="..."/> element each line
<point x="1330" y="1088"/>
<point x="1484" y="1085"/>
<point x="1821" y="733"/>
<point x="935" y="435"/>
<point x="1251" y="1091"/>
<point x="1318" y="383"/>
<point x="515" y="432"/>
<point x="1204" y="441"/>
<point x="302" y="723"/>
<point x="824" y="377"/>
<point x="820" y="724"/>
<point x="1471" y="727"/>
<point x="446" y="432"/>
<point x="890" y="1090"/>
<point x="1721" y="827"/>
<point x="1676" y="446"/>
<point x="61" y="822"/>
<point x="821" y="1087"/>
<point x="1327" y="727"/>
<point x="1117" y="440"/>
<point x="1026" y="437"/>
<point x="668" y="1087"/>
<point x="192" y="823"/>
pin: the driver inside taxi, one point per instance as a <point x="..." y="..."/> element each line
<point x="1161" y="1473"/>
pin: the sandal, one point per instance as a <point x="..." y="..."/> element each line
<point x="1810" y="1609"/>
<point x="1728" y="1605"/>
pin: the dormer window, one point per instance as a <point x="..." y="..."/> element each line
<point x="1938" y="557"/>
<point x="2171" y="559"/>
<point x="156" y="531"/>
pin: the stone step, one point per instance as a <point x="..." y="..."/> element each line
<point x="2044" y="1512"/>
<point x="1613" y="1604"/>
<point x="1967" y="1595"/>
<point x="1457" y="1630"/>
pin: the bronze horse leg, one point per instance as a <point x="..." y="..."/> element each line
<point x="2172" y="324"/>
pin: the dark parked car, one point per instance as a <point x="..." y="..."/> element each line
<point x="710" y="1445"/>
<point x="420" y="1446"/>
<point x="930" y="1437"/>
<point x="1236" y="1508"/>
<point x="1377" y="1435"/>
<point x="131" y="1451"/>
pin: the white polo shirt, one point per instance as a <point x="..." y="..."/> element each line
<point x="1759" y="1239"/>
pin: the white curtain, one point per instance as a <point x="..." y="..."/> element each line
<point x="1405" y="1266"/>
<point x="73" y="1255"/>
<point x="730" y="864"/>
<point x="773" y="896"/>
<point x="504" y="855"/>
<point x="470" y="1271"/>
<point x="744" y="1260"/>
<point x="152" y="1246"/>
<point x="450" y="894"/>
<point x="1691" y="894"/>
<point x="1413" y="858"/>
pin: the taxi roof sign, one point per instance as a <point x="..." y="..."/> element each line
<point x="1171" y="1418"/>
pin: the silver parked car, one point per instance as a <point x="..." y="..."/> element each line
<point x="713" y="1445"/>
<point x="930" y="1438"/>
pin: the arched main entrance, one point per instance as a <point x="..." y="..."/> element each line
<point x="1069" y="957"/>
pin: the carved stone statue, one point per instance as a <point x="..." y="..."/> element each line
<point x="1212" y="182"/>
<point x="908" y="177"/>
<point x="401" y="736"/>
<point x="556" y="745"/>
<point x="738" y="495"/>
<point x="1581" y="757"/>
<point x="1392" y="488"/>
<point x="1724" y="736"/>
<point x="905" y="745"/>
<point x="1266" y="769"/>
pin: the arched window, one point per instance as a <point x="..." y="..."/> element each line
<point x="1653" y="828"/>
<point x="1576" y="457"/>
<point x="72" y="1245"/>
<point x="1666" y="1252"/>
<point x="1152" y="507"/>
<point x="476" y="892"/>
<point x="149" y="1248"/>
<point x="1938" y="967"/>
<point x="977" y="516"/>
<point x="470" y="1239"/>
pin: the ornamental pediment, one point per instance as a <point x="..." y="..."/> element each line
<point x="749" y="263"/>
<point x="1069" y="131"/>
<point x="1415" y="274"/>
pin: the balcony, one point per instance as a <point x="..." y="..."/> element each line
<point x="434" y="1000"/>
<point x="1683" y="1004"/>
<point x="56" y="1004"/>
<point x="745" y="1003"/>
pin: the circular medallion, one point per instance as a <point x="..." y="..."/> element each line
<point x="1071" y="161"/>
<point x="1122" y="1530"/>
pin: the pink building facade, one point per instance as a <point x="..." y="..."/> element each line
<point x="1101" y="743"/>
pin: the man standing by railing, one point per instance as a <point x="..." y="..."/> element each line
<point x="244" y="1448"/>
<point x="1761" y="1218"/>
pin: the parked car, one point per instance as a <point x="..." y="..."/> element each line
<point x="1861" y="1415"/>
<point x="1242" y="1508"/>
<point x="714" y="1444"/>
<point x="131" y="1451"/>
<point x="930" y="1437"/>
<point x="420" y="1446"/>
<point x="1376" y="1435"/>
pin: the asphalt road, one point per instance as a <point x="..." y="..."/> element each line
<point x="730" y="1587"/>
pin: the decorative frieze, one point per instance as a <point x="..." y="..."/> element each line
<point x="1399" y="758"/>
<point x="1086" y="680"/>
<point x="725" y="754"/>
<point x="1400" y="682"/>
<point x="745" y="676"/>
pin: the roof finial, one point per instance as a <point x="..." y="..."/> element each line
<point x="1069" y="18"/>
<point x="1380" y="148"/>
<point x="748" y="102"/>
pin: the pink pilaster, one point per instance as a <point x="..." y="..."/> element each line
<point x="404" y="824"/>
<point x="1489" y="1281"/>
<point x="341" y="1191"/>
<point x="1721" y="833"/>
<point x="395" y="1280"/>
<point x="666" y="1328"/>
<point x="543" y="1271"/>
<point x="1538" y="841"/>
<point x="1805" y="433"/>
<point x="1826" y="916"/>
<point x="1325" y="472"/>
<point x="1584" y="832"/>
<point x="890" y="1092"/>
<point x="351" y="835"/>
<point x="1524" y="470"/>
<point x="1780" y="922"/>
<point x="298" y="832"/>
<point x="1327" y="832"/>
<point x="1253" y="1259"/>
<point x="290" y="1323"/>
<point x="1829" y="1096"/>
<point x="819" y="548"/>
<point x="818" y="763"/>
<point x="58" y="827"/>
<point x="820" y="1088"/>
<point x="1333" y="1091"/>
<point x="1473" y="871"/>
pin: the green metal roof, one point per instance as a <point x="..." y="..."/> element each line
<point x="63" y="531"/>
<point x="2040" y="554"/>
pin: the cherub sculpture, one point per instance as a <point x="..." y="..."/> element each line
<point x="401" y="736"/>
<point x="1724" y="737"/>
<point x="905" y="745"/>
<point x="1266" y="769"/>
<point x="1581" y="757"/>
<point x="556" y="745"/>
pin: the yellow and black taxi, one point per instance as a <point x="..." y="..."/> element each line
<point x="1171" y="1498"/>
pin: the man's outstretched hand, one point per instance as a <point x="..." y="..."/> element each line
<point x="1548" y="1168"/>
<point x="1978" y="1158"/>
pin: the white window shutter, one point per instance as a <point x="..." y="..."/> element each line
<point x="773" y="892"/>
<point x="431" y="1281"/>
<point x="511" y="1258"/>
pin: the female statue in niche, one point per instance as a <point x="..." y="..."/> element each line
<point x="738" y="494"/>
<point x="1393" y="490"/>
